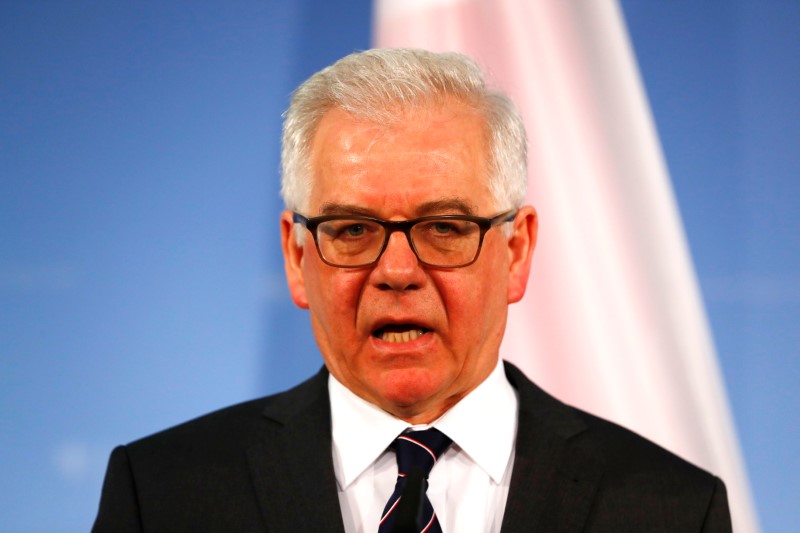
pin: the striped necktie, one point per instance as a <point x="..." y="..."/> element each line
<point x="409" y="509"/>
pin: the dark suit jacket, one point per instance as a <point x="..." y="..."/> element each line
<point x="266" y="465"/>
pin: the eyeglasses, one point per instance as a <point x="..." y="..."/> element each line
<point x="444" y="241"/>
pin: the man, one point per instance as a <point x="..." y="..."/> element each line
<point x="406" y="238"/>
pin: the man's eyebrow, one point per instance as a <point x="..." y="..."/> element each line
<point x="329" y="208"/>
<point x="445" y="206"/>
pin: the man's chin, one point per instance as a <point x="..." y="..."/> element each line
<point x="412" y="392"/>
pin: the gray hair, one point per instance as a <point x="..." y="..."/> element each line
<point x="379" y="85"/>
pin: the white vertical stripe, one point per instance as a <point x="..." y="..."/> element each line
<point x="613" y="321"/>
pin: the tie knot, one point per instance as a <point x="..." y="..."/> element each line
<point x="420" y="449"/>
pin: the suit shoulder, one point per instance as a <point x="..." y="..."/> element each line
<point x="629" y="453"/>
<point x="629" y="483"/>
<point x="666" y="492"/>
<point x="198" y="476"/>
<point x="629" y="462"/>
<point x="621" y="449"/>
<point x="233" y="426"/>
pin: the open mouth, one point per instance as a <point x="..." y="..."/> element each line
<point x="399" y="332"/>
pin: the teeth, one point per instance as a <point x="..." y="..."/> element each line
<point x="401" y="336"/>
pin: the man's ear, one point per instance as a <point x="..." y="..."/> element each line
<point x="293" y="261"/>
<point x="520" y="251"/>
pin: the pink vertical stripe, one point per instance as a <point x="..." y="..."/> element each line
<point x="612" y="321"/>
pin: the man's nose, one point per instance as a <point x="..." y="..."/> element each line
<point x="398" y="267"/>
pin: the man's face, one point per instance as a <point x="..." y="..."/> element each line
<point x="434" y="161"/>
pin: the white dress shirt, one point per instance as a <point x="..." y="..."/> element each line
<point x="469" y="483"/>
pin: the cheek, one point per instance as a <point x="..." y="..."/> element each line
<point x="464" y="300"/>
<point x="333" y="296"/>
<point x="476" y="303"/>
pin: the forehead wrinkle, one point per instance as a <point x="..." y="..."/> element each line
<point x="433" y="161"/>
<point x="450" y="205"/>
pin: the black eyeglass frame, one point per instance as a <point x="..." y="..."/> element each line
<point x="391" y="226"/>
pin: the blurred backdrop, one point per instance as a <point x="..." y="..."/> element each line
<point x="141" y="281"/>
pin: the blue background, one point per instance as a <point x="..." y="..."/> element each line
<point x="141" y="282"/>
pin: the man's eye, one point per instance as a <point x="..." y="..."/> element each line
<point x="445" y="228"/>
<point x="347" y="230"/>
<point x="354" y="230"/>
<point x="442" y="228"/>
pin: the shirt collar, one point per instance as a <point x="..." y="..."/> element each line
<point x="361" y="431"/>
<point x="484" y="423"/>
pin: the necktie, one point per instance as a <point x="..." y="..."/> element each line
<point x="408" y="509"/>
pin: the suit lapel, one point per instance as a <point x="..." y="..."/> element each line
<point x="292" y="466"/>
<point x="554" y="480"/>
